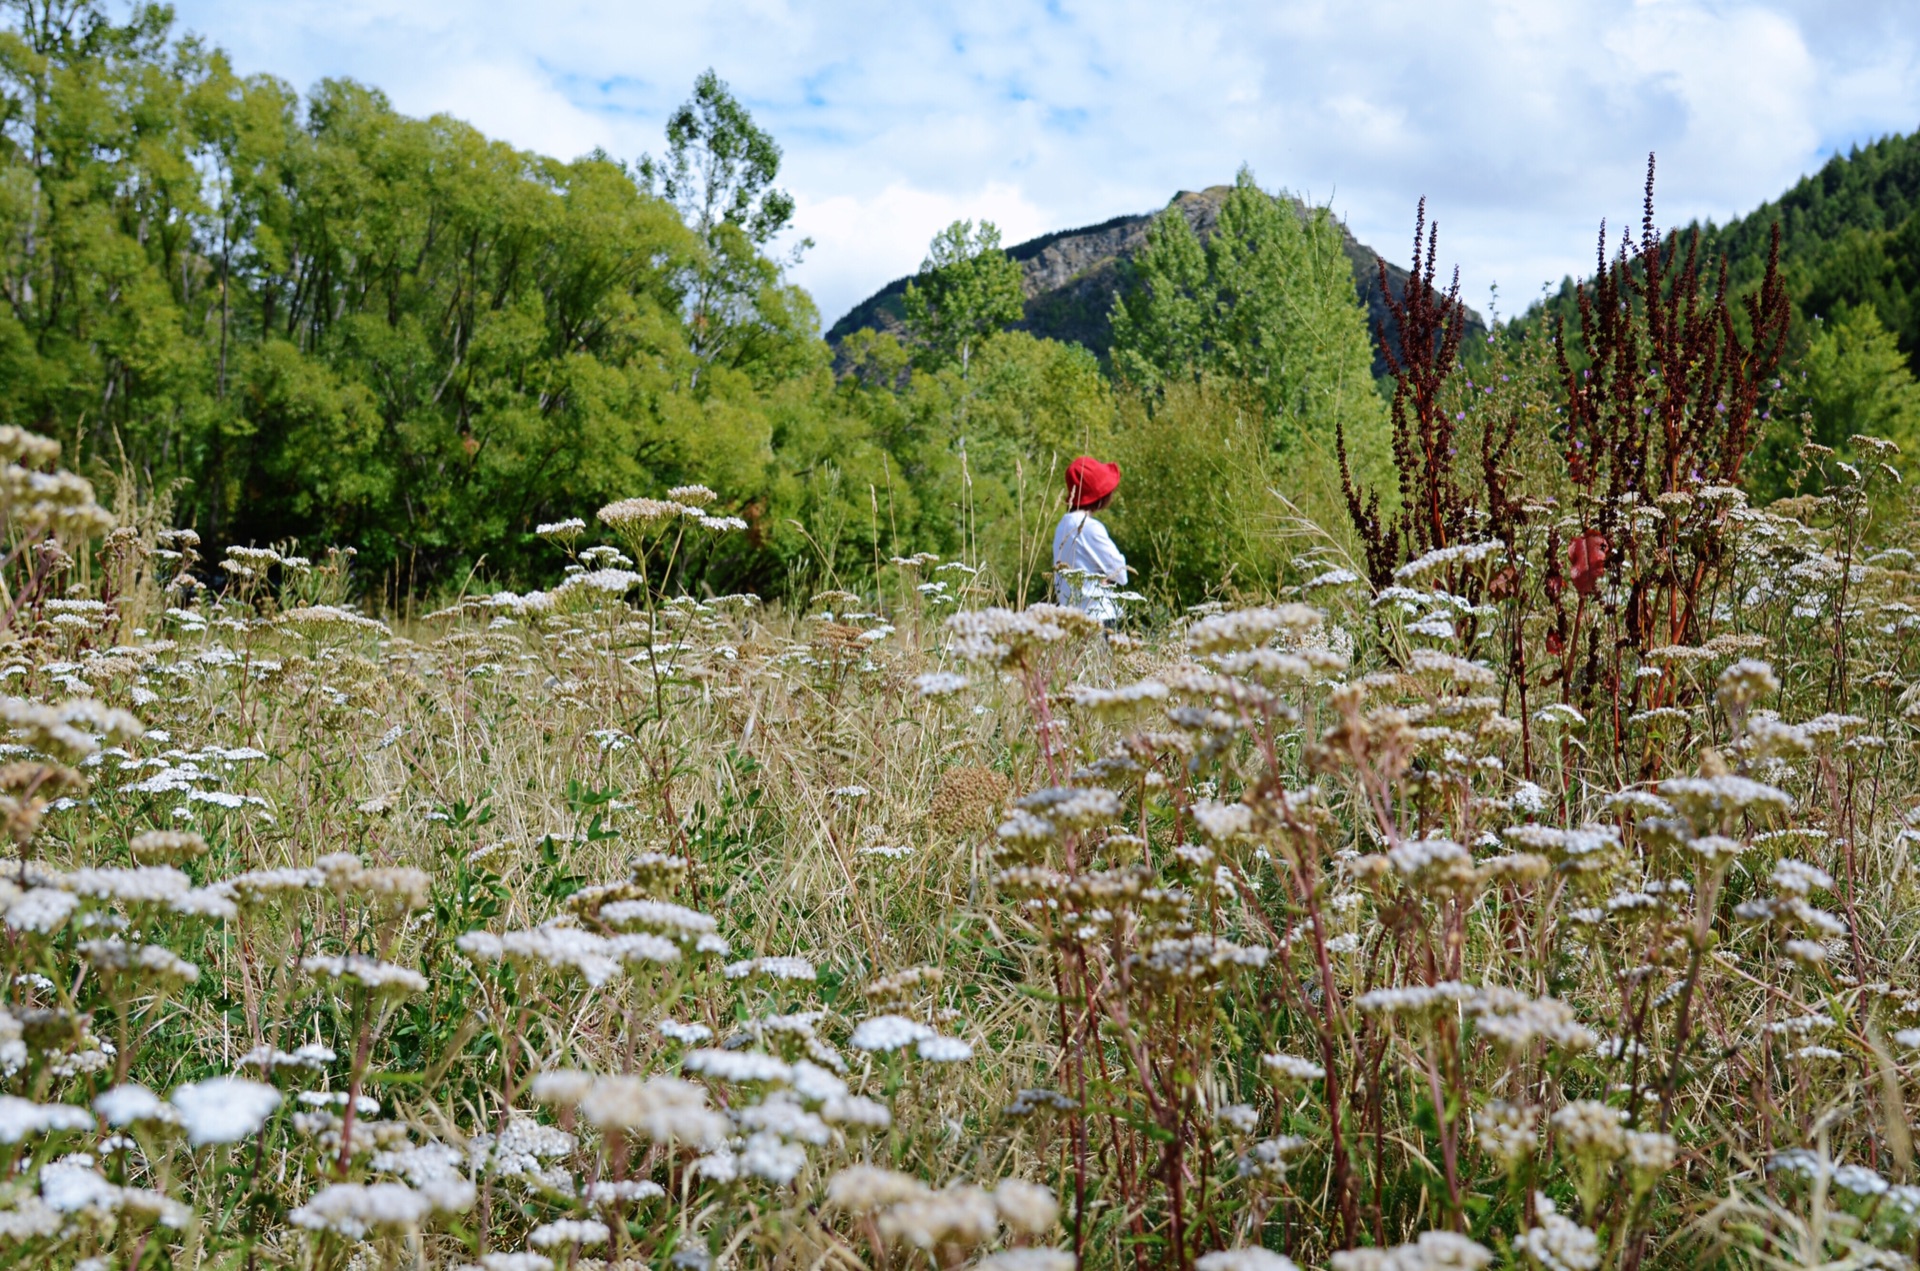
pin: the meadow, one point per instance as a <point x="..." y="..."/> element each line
<point x="1547" y="901"/>
<point x="1488" y="841"/>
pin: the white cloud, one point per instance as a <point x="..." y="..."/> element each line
<point x="1524" y="121"/>
<point x="895" y="224"/>
<point x="506" y="99"/>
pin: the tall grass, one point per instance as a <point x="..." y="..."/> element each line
<point x="611" y="926"/>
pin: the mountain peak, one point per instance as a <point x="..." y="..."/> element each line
<point x="1071" y="277"/>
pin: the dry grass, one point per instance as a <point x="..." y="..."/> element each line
<point x="1525" y="1017"/>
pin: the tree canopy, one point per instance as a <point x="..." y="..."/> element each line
<point x="322" y="318"/>
<point x="1265" y="303"/>
<point x="1849" y="235"/>
<point x="966" y="290"/>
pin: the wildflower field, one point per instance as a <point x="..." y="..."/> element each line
<point x="1531" y="885"/>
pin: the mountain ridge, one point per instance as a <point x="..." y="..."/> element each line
<point x="1071" y="276"/>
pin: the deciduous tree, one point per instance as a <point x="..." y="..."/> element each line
<point x="1266" y="303"/>
<point x="966" y="290"/>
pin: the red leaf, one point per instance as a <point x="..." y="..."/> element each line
<point x="1588" y="556"/>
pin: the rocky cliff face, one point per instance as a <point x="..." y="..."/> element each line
<point x="1072" y="276"/>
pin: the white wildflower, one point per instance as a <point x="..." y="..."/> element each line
<point x="685" y="1034"/>
<point x="1433" y="1251"/>
<point x="20" y="1118"/>
<point x="776" y="968"/>
<point x="130" y="1104"/>
<point x="888" y="1032"/>
<point x="767" y="1156"/>
<point x="944" y="1050"/>
<point x="1250" y="628"/>
<point x="862" y="1189"/>
<point x="1245" y="1259"/>
<point x="224" y="1109"/>
<point x="664" y="1109"/>
<point x="569" y="1231"/>
<point x="1291" y="1068"/>
<point x="383" y="979"/>
<point x="1559" y="1243"/>
<point x="940" y="683"/>
<point x="740" y="1067"/>
<point x="1028" y="1259"/>
<point x="356" y="1210"/>
<point x="1028" y="1209"/>
<point x="40" y="910"/>
<point x="956" y="1216"/>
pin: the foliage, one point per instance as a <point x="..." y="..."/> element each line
<point x="1663" y="415"/>
<point x="1853" y="381"/>
<point x="1856" y="383"/>
<point x="1656" y="410"/>
<point x="1266" y="301"/>
<point x="1195" y="462"/>
<point x="1879" y="268"/>
<point x="324" y="319"/>
<point x="995" y="440"/>
<point x="1434" y="512"/>
<point x="1207" y="509"/>
<point x="1849" y="235"/>
<point x="1535" y="888"/>
<point x="720" y="166"/>
<point x="312" y="318"/>
<point x="966" y="290"/>
<point x="718" y="173"/>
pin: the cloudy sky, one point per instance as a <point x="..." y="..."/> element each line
<point x="1523" y="122"/>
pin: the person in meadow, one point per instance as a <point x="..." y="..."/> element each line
<point x="1086" y="564"/>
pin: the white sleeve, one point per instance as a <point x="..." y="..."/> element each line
<point x="1106" y="558"/>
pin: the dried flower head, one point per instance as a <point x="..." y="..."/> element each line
<point x="863" y="1189"/>
<point x="640" y="516"/>
<point x="1507" y="1132"/>
<point x="167" y="847"/>
<point x="1027" y="1209"/>
<point x="1250" y="628"/>
<point x="1558" y="1243"/>
<point x="1433" y="1251"/>
<point x="1244" y="1259"/>
<point x="1744" y="683"/>
<point x="1591" y="1130"/>
<point x="383" y="980"/>
<point x="1706" y="801"/>
<point x="663" y="1109"/>
<point x="1004" y="637"/>
<point x="956" y="1218"/>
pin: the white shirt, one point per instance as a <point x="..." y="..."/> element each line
<point x="1080" y="542"/>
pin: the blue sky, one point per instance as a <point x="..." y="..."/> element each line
<point x="1523" y="122"/>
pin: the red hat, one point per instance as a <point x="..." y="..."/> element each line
<point x="1089" y="481"/>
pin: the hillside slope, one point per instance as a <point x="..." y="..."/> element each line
<point x="1874" y="188"/>
<point x="1849" y="234"/>
<point x="1072" y="277"/>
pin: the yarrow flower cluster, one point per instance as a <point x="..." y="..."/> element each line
<point x="1242" y="629"/>
<point x="1004" y="636"/>
<point x="1432" y="1251"/>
